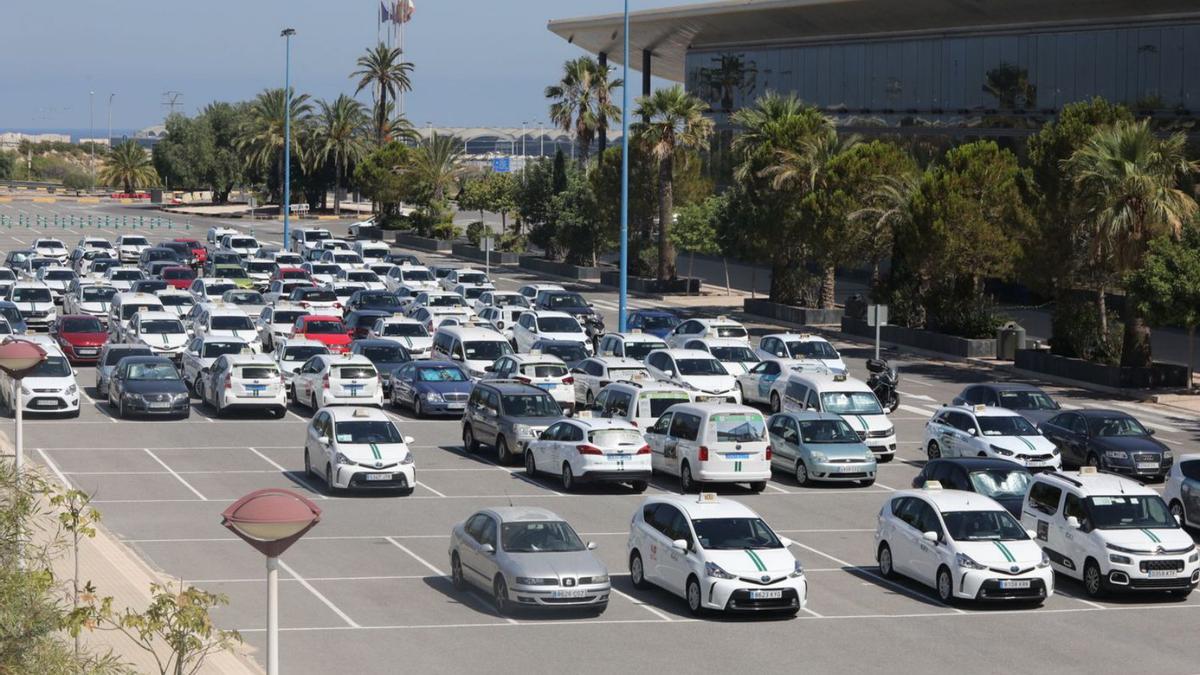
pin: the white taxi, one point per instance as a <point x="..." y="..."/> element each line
<point x="409" y="333"/>
<point x="594" y="374"/>
<point x="720" y="327"/>
<point x="544" y="371"/>
<point x="586" y="449"/>
<point x="801" y="346"/>
<point x="696" y="370"/>
<point x="846" y="396"/>
<point x="162" y="332"/>
<point x="344" y="379"/>
<point x="711" y="443"/>
<point x="984" y="431"/>
<point x="358" y="448"/>
<point x="733" y="353"/>
<point x="715" y="553"/>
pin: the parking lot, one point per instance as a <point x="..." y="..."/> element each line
<point x="368" y="589"/>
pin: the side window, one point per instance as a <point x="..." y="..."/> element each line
<point x="1073" y="506"/>
<point x="551" y="434"/>
<point x="927" y="519"/>
<point x="618" y="405"/>
<point x="770" y="368"/>
<point x="663" y="516"/>
<point x="648" y="513"/>
<point x="661" y="426"/>
<point x="1079" y="425"/>
<point x="602" y="401"/>
<point x="902" y="509"/>
<point x="571" y="432"/>
<point x="685" y="427"/>
<point x="796" y="391"/>
<point x="696" y="344"/>
<point x="656" y="360"/>
<point x="1191" y="469"/>
<point x="594" y="368"/>
<point x="788" y="431"/>
<point x="1044" y="498"/>
<point x="491" y="401"/>
<point x="812" y="402"/>
<point x="487" y="534"/>
<point x="678" y="528"/>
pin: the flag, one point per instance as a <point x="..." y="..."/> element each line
<point x="384" y="15"/>
<point x="403" y="11"/>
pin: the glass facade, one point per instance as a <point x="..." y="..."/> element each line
<point x="982" y="80"/>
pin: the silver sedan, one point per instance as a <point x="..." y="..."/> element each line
<point x="527" y="557"/>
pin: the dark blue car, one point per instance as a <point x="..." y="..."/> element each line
<point x="387" y="355"/>
<point x="656" y="322"/>
<point x="431" y="388"/>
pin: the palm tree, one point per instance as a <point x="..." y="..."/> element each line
<point x="129" y="165"/>
<point x="339" y="135"/>
<point x="672" y="119"/>
<point x="262" y="137"/>
<point x="888" y="209"/>
<point x="1127" y="179"/>
<point x="383" y="69"/>
<point x="583" y="101"/>
<point x="437" y="165"/>
<point x="774" y="122"/>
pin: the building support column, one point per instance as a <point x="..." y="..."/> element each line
<point x="602" y="136"/>
<point x="646" y="74"/>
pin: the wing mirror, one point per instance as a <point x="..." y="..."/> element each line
<point x="408" y="440"/>
<point x="488" y="549"/>
<point x="1150" y="432"/>
<point x="1178" y="520"/>
<point x="323" y="440"/>
<point x="680" y="544"/>
<point x="669" y="373"/>
<point x="973" y="431"/>
<point x="489" y="369"/>
<point x="930" y="536"/>
<point x="591" y="546"/>
<point x="1073" y="522"/>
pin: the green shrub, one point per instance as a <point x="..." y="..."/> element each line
<point x="77" y="180"/>
<point x="445" y="230"/>
<point x="1075" y="325"/>
<point x="971" y="318"/>
<point x="475" y="233"/>
<point x="512" y="242"/>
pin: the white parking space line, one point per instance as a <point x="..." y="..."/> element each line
<point x="662" y="615"/>
<point x="299" y="478"/>
<point x="426" y="563"/>
<point x="176" y="475"/>
<point x="320" y="596"/>
<point x="1089" y="603"/>
<point x="919" y="397"/>
<point x="777" y="488"/>
<point x="258" y="580"/>
<point x="915" y="410"/>
<point x="879" y="577"/>
<point x="54" y="467"/>
<point x="813" y="614"/>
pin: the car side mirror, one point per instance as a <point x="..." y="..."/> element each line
<point x="1150" y="432"/>
<point x="1178" y="520"/>
<point x="488" y="549"/>
<point x="973" y="431"/>
<point x="408" y="440"/>
<point x="1032" y="534"/>
<point x="1073" y="523"/>
<point x="591" y="546"/>
<point x="456" y="357"/>
<point x="323" y="440"/>
<point x="930" y="536"/>
<point x="680" y="544"/>
<point x="669" y="373"/>
<point x="489" y="369"/>
<point x="75" y="372"/>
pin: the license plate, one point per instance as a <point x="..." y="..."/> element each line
<point x="1158" y="574"/>
<point x="766" y="595"/>
<point x="737" y="455"/>
<point x="379" y="476"/>
<point x="256" y="387"/>
<point x="569" y="594"/>
<point x="87" y="352"/>
<point x="45" y="404"/>
<point x="456" y="406"/>
<point x="548" y="386"/>
<point x="1147" y="465"/>
<point x="848" y="469"/>
<point x="1014" y="583"/>
<point x="158" y="405"/>
<point x="617" y="457"/>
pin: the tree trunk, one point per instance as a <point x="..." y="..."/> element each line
<point x="666" y="198"/>
<point x="1135" y="352"/>
<point x="828" y="286"/>
<point x="1102" y="311"/>
<point x="382" y="115"/>
<point x="691" y="266"/>
<point x="337" y="184"/>
<point x="1191" y="356"/>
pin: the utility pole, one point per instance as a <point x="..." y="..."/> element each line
<point x="541" y="142"/>
<point x="110" y="98"/>
<point x="172" y="100"/>
<point x="287" y="34"/>
<point x="92" y="133"/>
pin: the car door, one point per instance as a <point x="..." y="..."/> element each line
<point x="1041" y="514"/>
<point x="656" y="438"/>
<point x="782" y="452"/>
<point x="489" y="535"/>
<point x="470" y="553"/>
<point x="680" y="445"/>
<point x="958" y="438"/>
<point x="902" y="526"/>
<point x="926" y="555"/>
<point x="317" y="452"/>
<point x="546" y="453"/>
<point x="487" y="426"/>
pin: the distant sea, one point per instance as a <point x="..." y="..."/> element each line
<point x="75" y="134"/>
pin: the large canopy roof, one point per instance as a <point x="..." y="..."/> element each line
<point x="670" y="32"/>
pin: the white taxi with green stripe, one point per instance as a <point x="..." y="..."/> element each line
<point x="963" y="544"/>
<point x="358" y="448"/>
<point x="986" y="431"/>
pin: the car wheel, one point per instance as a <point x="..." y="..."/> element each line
<point x="500" y="596"/>
<point x="1178" y="512"/>
<point x="568" y="478"/>
<point x="1093" y="580"/>
<point x="637" y="573"/>
<point x="456" y="572"/>
<point x="945" y="585"/>
<point x="469" y="442"/>
<point x="329" y="479"/>
<point x="694" y="597"/>
<point x="886" y="568"/>
<point x="308" y="472"/>
<point x="758" y="486"/>
<point x="121" y="409"/>
<point x="418" y="412"/>
<point x="530" y="464"/>
<point x="686" y="484"/>
<point x="775" y="405"/>
<point x="639" y="486"/>
<point x="933" y="451"/>
<point x="802" y="478"/>
<point x="312" y="402"/>
<point x="503" y="455"/>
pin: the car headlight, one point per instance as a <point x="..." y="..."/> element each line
<point x="818" y="456"/>
<point x="1001" y="451"/>
<point x="1119" y="559"/>
<point x="600" y="579"/>
<point x="433" y="397"/>
<point x="522" y="430"/>
<point x="181" y="397"/>
<point x="72" y="390"/>
<point x="797" y="570"/>
<point x="342" y="459"/>
<point x="130" y="396"/>
<point x="890" y="431"/>
<point x="1122" y="549"/>
<point x="1045" y="561"/>
<point x="1116" y="454"/>
<point x="1166" y="454"/>
<point x="408" y="459"/>
<point x="1054" y="452"/>
<point x="714" y="570"/>
<point x="1194" y="557"/>
<point x="25" y="390"/>
<point x="536" y="581"/>
<point x="967" y="562"/>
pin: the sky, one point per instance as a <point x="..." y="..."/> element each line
<point x="477" y="62"/>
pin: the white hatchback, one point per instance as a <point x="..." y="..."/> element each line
<point x="587" y="449"/>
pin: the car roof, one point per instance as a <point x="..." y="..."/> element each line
<point x="436" y="363"/>
<point x="374" y="342"/>
<point x="250" y="359"/>
<point x="647" y="384"/>
<point x="683" y="353"/>
<point x="535" y="358"/>
<point x="345" y="359"/>
<point x="952" y="500"/>
<point x="695" y="508"/>
<point x="146" y="359"/>
<point x="713" y="408"/>
<point x="225" y="310"/>
<point x="154" y="316"/>
<point x="616" y="361"/>
<point x="805" y="415"/>
<point x="828" y="381"/>
<point x="126" y="297"/>
<point x="595" y="423"/>
<point x="1099" y="483"/>
<point x="1006" y="386"/>
<point x="978" y="463"/>
<point x="719" y="342"/>
<point x="719" y="321"/>
<point x="402" y="319"/>
<point x="633" y="337"/>
<point x="510" y="387"/>
<point x="471" y="332"/>
<point x="217" y="338"/>
<point x="984" y="410"/>
<point x="547" y="314"/>
<point x="511" y="514"/>
<point x="800" y="337"/>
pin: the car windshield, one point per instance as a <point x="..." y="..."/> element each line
<point x="472" y="292"/>
<point x="1026" y="400"/>
<point x="318" y="235"/>
<point x="303" y="353"/>
<point x="324" y="327"/>
<point x="102" y="265"/>
<point x="441" y="374"/>
<point x="558" y="324"/>
<point x="509" y="301"/>
<point x="1116" y="426"/>
<point x="232" y="323"/>
<point x="317" y="295"/>
<point x="373" y="431"/>
<point x="566" y="300"/>
<point x="445" y="301"/>
<point x="827" y="431"/>
<point x="97" y="243"/>
<point x="59" y="275"/>
<point x="983" y="526"/>
<point x="260" y="267"/>
<point x="1001" y="483"/>
<point x="638" y="350"/>
<point x="286" y="316"/>
<point x="217" y="290"/>
<point x="176" y="300"/>
<point x="530" y="405"/>
<point x="544" y="370"/>
<point x="53" y="366"/>
<point x="658" y="321"/>
<point x="127" y="275"/>
<point x="345" y="290"/>
<point x="11" y="314"/>
<point x="738" y="427"/>
<point x="571" y="352"/>
<point x="725" y="534"/>
<point x="416" y="275"/>
<point x="229" y="273"/>
<point x="404" y="330"/>
<point x="161" y="327"/>
<point x="363" y="276"/>
<point x="850" y="402"/>
<point x="115" y="355"/>
<point x="486" y="350"/>
<point x="292" y="274"/>
<point x="1006" y="426"/>
<point x="134" y="241"/>
<point x="127" y="311"/>
<point x="701" y="367"/>
<point x="243" y="242"/>
<point x="325" y="268"/>
<point x="213" y="350"/>
<point x="31" y="295"/>
<point x="347" y="258"/>
<point x="734" y="354"/>
<point x="811" y="349"/>
<point x="245" y="298"/>
<point x="386" y="354"/>
<point x="80" y="324"/>
<point x="539" y="537"/>
<point x="661" y="400"/>
<point x="378" y="300"/>
<point x="1122" y="512"/>
<point x="98" y="293"/>
<point x="152" y="371"/>
<point x="49" y="243"/>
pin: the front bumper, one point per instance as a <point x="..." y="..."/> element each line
<point x="882" y="447"/>
<point x="834" y="471"/>
<point x="1135" y="576"/>
<point x="443" y="407"/>
<point x="400" y="477"/>
<point x="49" y="402"/>
<point x="732" y="396"/>
<point x="737" y="595"/>
<point x="1132" y="468"/>
<point x="140" y="406"/>
<point x="560" y="596"/>
<point x="989" y="584"/>
<point x="85" y="354"/>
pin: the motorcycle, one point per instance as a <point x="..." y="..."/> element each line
<point x="884" y="381"/>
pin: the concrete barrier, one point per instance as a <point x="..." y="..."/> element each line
<point x="805" y="316"/>
<point x="1160" y="374"/>
<point x="924" y="339"/>
<point x="475" y="253"/>
<point x="409" y="240"/>
<point x="560" y="269"/>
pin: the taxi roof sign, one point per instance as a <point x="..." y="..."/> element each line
<point x="583" y="414"/>
<point x="839" y="377"/>
<point x="361" y="412"/>
<point x="933" y="485"/>
<point x="979" y="407"/>
<point x="707" y="498"/>
<point x="1088" y="471"/>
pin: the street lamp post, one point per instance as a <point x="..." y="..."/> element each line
<point x="110" y="98"/>
<point x="623" y="290"/>
<point x="287" y="34"/>
<point x="271" y="520"/>
<point x="18" y="359"/>
<point x="92" y="134"/>
<point x="541" y="141"/>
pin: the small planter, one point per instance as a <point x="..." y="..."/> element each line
<point x="924" y="339"/>
<point x="805" y="316"/>
<point x="496" y="257"/>
<point x="649" y="286"/>
<point x="1159" y="375"/>
<point x="560" y="269"/>
<point x="409" y="240"/>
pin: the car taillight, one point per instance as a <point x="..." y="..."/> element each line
<point x="703" y="453"/>
<point x="304" y="305"/>
<point x="585" y="449"/>
<point x="633" y="422"/>
<point x="768" y="453"/>
<point x="325" y="381"/>
<point x="337" y="305"/>
<point x="568" y="380"/>
<point x="228" y="382"/>
<point x="644" y="450"/>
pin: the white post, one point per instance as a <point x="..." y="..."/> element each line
<point x="876" y="332"/>
<point x="19" y="459"/>
<point x="272" y="616"/>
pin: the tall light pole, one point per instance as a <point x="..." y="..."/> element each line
<point x="18" y="359"/>
<point x="287" y="34"/>
<point x="92" y="133"/>
<point x="624" y="288"/>
<point x="110" y="98"/>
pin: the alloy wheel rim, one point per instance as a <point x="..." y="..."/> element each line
<point x="635" y="569"/>
<point x="944" y="585"/>
<point x="694" y="595"/>
<point x="885" y="560"/>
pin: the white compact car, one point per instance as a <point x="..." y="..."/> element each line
<point x="202" y="352"/>
<point x="226" y="322"/>
<point x="365" y="278"/>
<point x="1110" y="532"/>
<point x="345" y="379"/>
<point x="162" y="332"/>
<point x="276" y="323"/>
<point x="122" y="278"/>
<point x="130" y="246"/>
<point x="639" y="400"/>
<point x="963" y="544"/>
<point x="716" y="554"/>
<point x="244" y="382"/>
<point x="695" y="370"/>
<point x="587" y="449"/>
<point x="594" y="374"/>
<point x="415" y="277"/>
<point x="755" y="384"/>
<point x="720" y="327"/>
<point x="711" y="443"/>
<point x="464" y="275"/>
<point x="409" y="333"/>
<point x="733" y="353"/>
<point x="291" y="355"/>
<point x="35" y="302"/>
<point x="535" y="325"/>
<point x="1183" y="490"/>
<point x="358" y="448"/>
<point x="543" y="371"/>
<point x="801" y="346"/>
<point x="984" y="431"/>
<point x="50" y="388"/>
<point x="90" y="299"/>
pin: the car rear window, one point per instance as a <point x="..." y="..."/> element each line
<point x="355" y="372"/>
<point x="609" y="438"/>
<point x="115" y="355"/>
<point x="659" y="401"/>
<point x="258" y="372"/>
<point x="544" y="370"/>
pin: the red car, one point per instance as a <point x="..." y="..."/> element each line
<point x="178" y="277"/>
<point x="81" y="336"/>
<point x="328" y="330"/>
<point x="199" y="253"/>
<point x="290" y="274"/>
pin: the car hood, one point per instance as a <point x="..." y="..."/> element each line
<point x="540" y="422"/>
<point x="715" y="384"/>
<point x="754" y="563"/>
<point x="84" y="339"/>
<point x="874" y="422"/>
<point x="165" y="340"/>
<point x="565" y="337"/>
<point x="35" y="306"/>
<point x="372" y="454"/>
<point x="1128" y="443"/>
<point x="93" y="307"/>
<point x="557" y="565"/>
<point x="736" y="368"/>
<point x="47" y="382"/>
<point x="1022" y="444"/>
<point x="855" y="450"/>
<point x="1037" y="417"/>
<point x="418" y="343"/>
<point x="1146" y="539"/>
<point x="329" y="338"/>
<point x="1002" y="554"/>
<point x="155" y="387"/>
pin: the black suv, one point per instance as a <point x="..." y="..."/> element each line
<point x="572" y="303"/>
<point x="507" y="415"/>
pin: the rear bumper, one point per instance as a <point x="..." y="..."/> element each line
<point x="604" y="476"/>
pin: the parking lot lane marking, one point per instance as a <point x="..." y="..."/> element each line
<point x="662" y="615"/>
<point x="289" y="412"/>
<point x="291" y="475"/>
<point x="426" y="563"/>
<point x="54" y="467"/>
<point x="913" y="409"/>
<point x="876" y="575"/>
<point x="460" y="626"/>
<point x="885" y="487"/>
<point x="172" y="472"/>
<point x="320" y="596"/>
<point x="813" y="614"/>
<point x="426" y="486"/>
<point x="919" y="397"/>
<point x="776" y="488"/>
<point x="914" y="380"/>
<point x="258" y="580"/>
<point x="1089" y="603"/>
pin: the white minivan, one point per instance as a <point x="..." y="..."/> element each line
<point x="50" y="388"/>
<point x="849" y="397"/>
<point x="638" y="400"/>
<point x="473" y="347"/>
<point x="711" y="443"/>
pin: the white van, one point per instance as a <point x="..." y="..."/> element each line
<point x="849" y="397"/>
<point x="123" y="308"/>
<point x="372" y="251"/>
<point x="474" y="347"/>
<point x="711" y="443"/>
<point x="307" y="240"/>
<point x="639" y="400"/>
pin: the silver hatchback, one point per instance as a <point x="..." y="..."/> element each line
<point x="527" y="557"/>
